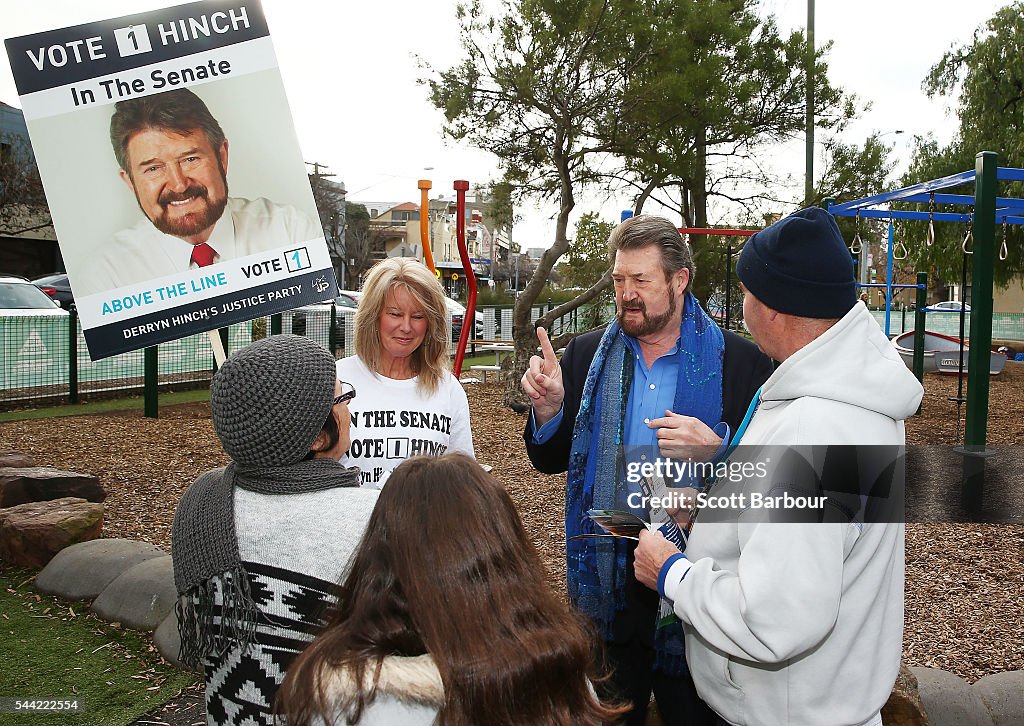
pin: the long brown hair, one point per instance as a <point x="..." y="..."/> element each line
<point x="446" y="568"/>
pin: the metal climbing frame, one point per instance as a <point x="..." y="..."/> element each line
<point x="987" y="209"/>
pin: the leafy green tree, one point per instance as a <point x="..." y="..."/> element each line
<point x="853" y="171"/>
<point x="660" y="93"/>
<point x="985" y="78"/>
<point x="586" y="265"/>
<point x="587" y="259"/>
<point x="532" y="86"/>
<point x="719" y="85"/>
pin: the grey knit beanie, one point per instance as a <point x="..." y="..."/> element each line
<point x="271" y="398"/>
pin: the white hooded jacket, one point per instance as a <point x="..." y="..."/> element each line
<point x="409" y="692"/>
<point x="803" y="623"/>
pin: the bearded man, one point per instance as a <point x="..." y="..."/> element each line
<point x="173" y="156"/>
<point x="658" y="382"/>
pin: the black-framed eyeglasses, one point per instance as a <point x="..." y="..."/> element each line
<point x="348" y="392"/>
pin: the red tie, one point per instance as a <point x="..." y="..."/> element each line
<point x="202" y="254"/>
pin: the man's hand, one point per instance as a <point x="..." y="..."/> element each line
<point x="685" y="437"/>
<point x="650" y="555"/>
<point x="684" y="500"/>
<point x="542" y="381"/>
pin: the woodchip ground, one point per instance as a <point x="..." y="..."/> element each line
<point x="965" y="581"/>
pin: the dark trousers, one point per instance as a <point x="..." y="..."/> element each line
<point x="633" y="679"/>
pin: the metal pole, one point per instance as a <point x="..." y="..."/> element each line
<point x="73" y="355"/>
<point x="809" y="71"/>
<point x="150" y="369"/>
<point x="981" y="329"/>
<point x="888" y="281"/>
<point x="332" y="338"/>
<point x="461" y="186"/>
<point x="728" y="282"/>
<point x="922" y="303"/>
<point x="428" y="252"/>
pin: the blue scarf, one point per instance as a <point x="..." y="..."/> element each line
<point x="596" y="568"/>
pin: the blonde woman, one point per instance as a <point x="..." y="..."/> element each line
<point x="412" y="403"/>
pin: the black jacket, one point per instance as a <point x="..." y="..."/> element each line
<point x="744" y="369"/>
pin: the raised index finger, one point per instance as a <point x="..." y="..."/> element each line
<point x="545" y="347"/>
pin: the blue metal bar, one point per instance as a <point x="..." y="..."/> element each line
<point x="961" y="199"/>
<point x="945" y="182"/>
<point x="895" y="214"/>
<point x="1007" y="173"/>
<point x="923" y="216"/>
<point x="895" y="287"/>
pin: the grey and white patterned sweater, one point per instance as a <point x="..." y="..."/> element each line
<point x="295" y="548"/>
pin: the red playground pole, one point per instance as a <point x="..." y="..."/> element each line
<point x="469" y="319"/>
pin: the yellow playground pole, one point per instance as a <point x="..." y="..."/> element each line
<point x="428" y="254"/>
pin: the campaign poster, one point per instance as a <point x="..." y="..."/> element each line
<point x="173" y="173"/>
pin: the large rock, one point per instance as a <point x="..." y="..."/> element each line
<point x="949" y="700"/>
<point x="904" y="707"/>
<point x="140" y="597"/>
<point x="83" y="571"/>
<point x="10" y="457"/>
<point x="31" y="534"/>
<point x="43" y="483"/>
<point x="168" y="642"/>
<point x="1003" y="695"/>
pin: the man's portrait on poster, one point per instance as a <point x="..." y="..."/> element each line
<point x="173" y="157"/>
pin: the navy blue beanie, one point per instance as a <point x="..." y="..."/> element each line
<point x="800" y="266"/>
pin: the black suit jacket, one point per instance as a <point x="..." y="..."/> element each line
<point x="744" y="369"/>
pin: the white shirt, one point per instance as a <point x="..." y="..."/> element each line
<point x="395" y="419"/>
<point x="142" y="252"/>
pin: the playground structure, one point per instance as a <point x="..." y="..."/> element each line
<point x="461" y="186"/>
<point x="985" y="209"/>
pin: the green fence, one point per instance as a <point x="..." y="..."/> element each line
<point x="38" y="362"/>
<point x="39" y="365"/>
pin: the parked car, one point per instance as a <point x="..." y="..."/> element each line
<point x="18" y="297"/>
<point x="458" y="312"/>
<point x="345" y="303"/>
<point x="947" y="306"/>
<point x="57" y="287"/>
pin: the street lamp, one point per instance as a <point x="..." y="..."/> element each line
<point x="896" y="132"/>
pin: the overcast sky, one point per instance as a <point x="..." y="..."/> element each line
<point x="350" y="75"/>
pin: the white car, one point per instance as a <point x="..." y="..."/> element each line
<point x="19" y="297"/>
<point x="947" y="306"/>
<point x="345" y="304"/>
<point x="458" y="312"/>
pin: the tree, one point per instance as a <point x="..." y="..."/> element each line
<point x="852" y="171"/>
<point x="22" y="201"/>
<point x="531" y="88"/>
<point x="986" y="79"/>
<point x="719" y="85"/>
<point x="586" y="264"/>
<point x="329" y="198"/>
<point x="360" y="239"/>
<point x="657" y="93"/>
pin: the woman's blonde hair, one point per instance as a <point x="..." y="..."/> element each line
<point x="431" y="359"/>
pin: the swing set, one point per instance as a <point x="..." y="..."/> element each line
<point x="983" y="210"/>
